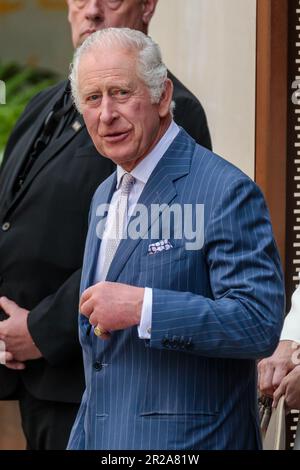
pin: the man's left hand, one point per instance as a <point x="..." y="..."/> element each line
<point x="15" y="334"/>
<point x="112" y="306"/>
<point x="290" y="387"/>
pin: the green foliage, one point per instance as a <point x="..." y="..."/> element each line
<point x="22" y="83"/>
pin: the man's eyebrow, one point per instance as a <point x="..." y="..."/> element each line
<point x="89" y="91"/>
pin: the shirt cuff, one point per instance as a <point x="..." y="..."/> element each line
<point x="144" y="328"/>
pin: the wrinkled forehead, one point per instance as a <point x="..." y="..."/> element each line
<point x="107" y="55"/>
<point x="109" y="62"/>
<point x="113" y="4"/>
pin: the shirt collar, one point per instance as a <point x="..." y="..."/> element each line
<point x="144" y="169"/>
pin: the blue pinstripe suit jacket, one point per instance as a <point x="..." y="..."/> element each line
<point x="215" y="311"/>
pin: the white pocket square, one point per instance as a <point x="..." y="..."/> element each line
<point x="162" y="245"/>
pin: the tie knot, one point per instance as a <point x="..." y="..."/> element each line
<point x="126" y="183"/>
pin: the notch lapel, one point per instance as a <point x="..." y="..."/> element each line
<point x="24" y="144"/>
<point x="160" y="189"/>
<point x="92" y="245"/>
<point x="93" y="242"/>
<point x="46" y="156"/>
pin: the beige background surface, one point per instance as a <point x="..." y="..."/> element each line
<point x="11" y="437"/>
<point x="211" y="46"/>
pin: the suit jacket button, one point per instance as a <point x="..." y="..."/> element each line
<point x="6" y="226"/>
<point x="97" y="366"/>
<point x="174" y="342"/>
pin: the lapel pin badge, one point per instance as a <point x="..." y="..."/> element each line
<point x="76" y="126"/>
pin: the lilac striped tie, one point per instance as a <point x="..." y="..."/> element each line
<point x="118" y="227"/>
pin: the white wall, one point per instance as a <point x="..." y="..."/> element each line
<point x="211" y="46"/>
<point x="37" y="33"/>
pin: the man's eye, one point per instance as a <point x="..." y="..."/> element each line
<point x="80" y="3"/>
<point x="120" y="93"/>
<point x="113" y="3"/>
<point x="93" y="98"/>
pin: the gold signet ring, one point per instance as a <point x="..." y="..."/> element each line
<point x="98" y="331"/>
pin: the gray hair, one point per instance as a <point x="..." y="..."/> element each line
<point x="150" y="66"/>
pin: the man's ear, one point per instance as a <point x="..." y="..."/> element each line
<point x="148" y="11"/>
<point x="166" y="99"/>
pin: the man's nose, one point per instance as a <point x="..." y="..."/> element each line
<point x="94" y="10"/>
<point x="108" y="112"/>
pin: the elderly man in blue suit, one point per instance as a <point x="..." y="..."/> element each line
<point x="182" y="287"/>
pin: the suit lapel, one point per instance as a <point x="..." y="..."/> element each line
<point x="92" y="246"/>
<point x="93" y="242"/>
<point x="51" y="151"/>
<point x="24" y="144"/>
<point x="160" y="189"/>
<point x="47" y="155"/>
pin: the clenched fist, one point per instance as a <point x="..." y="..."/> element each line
<point x="112" y="306"/>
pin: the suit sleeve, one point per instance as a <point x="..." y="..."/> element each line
<point x="53" y="323"/>
<point x="291" y="326"/>
<point x="243" y="319"/>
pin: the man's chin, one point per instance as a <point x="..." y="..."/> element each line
<point x="86" y="34"/>
<point x="125" y="161"/>
<point x="116" y="151"/>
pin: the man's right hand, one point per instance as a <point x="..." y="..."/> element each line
<point x="273" y="369"/>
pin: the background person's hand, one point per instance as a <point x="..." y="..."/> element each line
<point x="7" y="359"/>
<point x="290" y="387"/>
<point x="273" y="369"/>
<point x="15" y="334"/>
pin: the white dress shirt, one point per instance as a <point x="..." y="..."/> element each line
<point x="141" y="174"/>
<point x="291" y="327"/>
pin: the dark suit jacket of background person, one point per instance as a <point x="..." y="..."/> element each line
<point x="41" y="249"/>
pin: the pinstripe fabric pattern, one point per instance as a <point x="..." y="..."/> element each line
<point x="215" y="311"/>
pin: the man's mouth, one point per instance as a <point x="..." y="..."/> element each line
<point x="87" y="32"/>
<point x="115" y="137"/>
